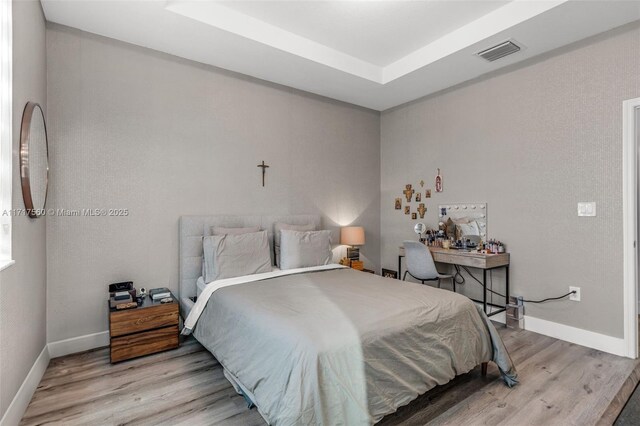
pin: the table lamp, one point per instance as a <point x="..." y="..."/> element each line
<point x="352" y="236"/>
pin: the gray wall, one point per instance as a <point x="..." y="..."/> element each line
<point x="165" y="137"/>
<point x="22" y="286"/>
<point x="531" y="141"/>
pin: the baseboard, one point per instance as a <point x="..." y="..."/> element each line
<point x="21" y="400"/>
<point x="590" y="339"/>
<point x="78" y="344"/>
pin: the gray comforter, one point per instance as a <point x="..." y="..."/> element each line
<point x="343" y="346"/>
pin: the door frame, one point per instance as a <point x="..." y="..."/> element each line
<point x="630" y="224"/>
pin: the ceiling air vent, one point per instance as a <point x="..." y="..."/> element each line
<point x="499" y="51"/>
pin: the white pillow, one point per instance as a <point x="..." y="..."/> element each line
<point x="228" y="256"/>
<point x="300" y="249"/>
<point x="279" y="226"/>
<point x="220" y="230"/>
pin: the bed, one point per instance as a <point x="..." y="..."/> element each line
<point x="330" y="345"/>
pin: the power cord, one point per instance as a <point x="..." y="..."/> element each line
<point x="458" y="274"/>
<point x="480" y="282"/>
<point x="550" y="298"/>
<point x="462" y="281"/>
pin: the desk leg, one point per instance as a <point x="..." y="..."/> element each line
<point x="484" y="293"/>
<point x="399" y="266"/>
<point x="507" y="285"/>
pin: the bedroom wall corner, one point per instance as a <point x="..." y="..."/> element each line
<point x="532" y="141"/>
<point x="23" y="352"/>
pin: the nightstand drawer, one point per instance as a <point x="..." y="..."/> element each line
<point x="148" y="342"/>
<point x="136" y="320"/>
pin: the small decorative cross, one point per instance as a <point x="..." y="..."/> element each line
<point x="421" y="210"/>
<point x="408" y="192"/>
<point x="264" y="170"/>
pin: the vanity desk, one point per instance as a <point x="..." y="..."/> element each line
<point x="485" y="262"/>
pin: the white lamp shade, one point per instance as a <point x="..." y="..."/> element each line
<point x="352" y="235"/>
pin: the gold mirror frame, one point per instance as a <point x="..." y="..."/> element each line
<point x="25" y="130"/>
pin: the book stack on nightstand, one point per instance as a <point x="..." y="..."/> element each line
<point x="122" y="295"/>
<point x="151" y="327"/>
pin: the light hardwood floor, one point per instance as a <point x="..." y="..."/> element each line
<point x="561" y="384"/>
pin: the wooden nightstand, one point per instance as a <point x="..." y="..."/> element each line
<point x="147" y="329"/>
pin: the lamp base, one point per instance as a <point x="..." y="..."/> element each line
<point x="353" y="253"/>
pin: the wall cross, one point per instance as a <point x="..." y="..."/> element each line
<point x="264" y="170"/>
<point x="408" y="192"/>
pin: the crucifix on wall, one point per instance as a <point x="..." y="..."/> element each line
<point x="264" y="170"/>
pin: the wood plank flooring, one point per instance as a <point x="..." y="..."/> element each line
<point x="561" y="384"/>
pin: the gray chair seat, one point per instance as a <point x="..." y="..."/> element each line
<point x="420" y="264"/>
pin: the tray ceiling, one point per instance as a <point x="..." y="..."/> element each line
<point x="377" y="54"/>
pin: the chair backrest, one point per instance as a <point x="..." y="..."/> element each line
<point x="420" y="263"/>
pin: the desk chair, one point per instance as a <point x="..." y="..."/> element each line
<point x="420" y="264"/>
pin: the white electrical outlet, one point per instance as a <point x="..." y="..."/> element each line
<point x="575" y="296"/>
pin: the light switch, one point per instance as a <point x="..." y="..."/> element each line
<point x="587" y="209"/>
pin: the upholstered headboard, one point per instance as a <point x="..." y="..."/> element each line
<point x="193" y="228"/>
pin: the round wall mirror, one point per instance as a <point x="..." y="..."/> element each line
<point x="420" y="228"/>
<point x="34" y="159"/>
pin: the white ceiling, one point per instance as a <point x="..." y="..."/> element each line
<point x="377" y="54"/>
<point x="379" y="32"/>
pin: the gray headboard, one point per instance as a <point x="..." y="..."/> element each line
<point x="193" y="228"/>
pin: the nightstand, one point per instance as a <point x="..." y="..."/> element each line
<point x="151" y="327"/>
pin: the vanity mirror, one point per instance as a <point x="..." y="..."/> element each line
<point x="464" y="220"/>
<point x="420" y="229"/>
<point x="34" y="159"/>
